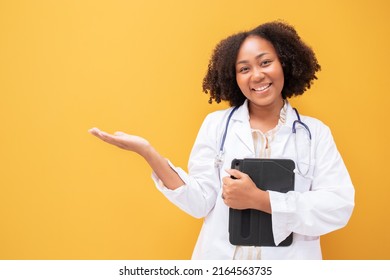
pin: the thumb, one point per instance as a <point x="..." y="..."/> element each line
<point x="235" y="173"/>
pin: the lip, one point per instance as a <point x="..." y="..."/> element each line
<point x="261" y="88"/>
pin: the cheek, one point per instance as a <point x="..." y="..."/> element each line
<point x="279" y="77"/>
<point x="240" y="82"/>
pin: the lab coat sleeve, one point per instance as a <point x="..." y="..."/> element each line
<point x="198" y="195"/>
<point x="327" y="206"/>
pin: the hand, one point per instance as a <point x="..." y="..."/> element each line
<point x="142" y="147"/>
<point x="122" y="140"/>
<point x="242" y="193"/>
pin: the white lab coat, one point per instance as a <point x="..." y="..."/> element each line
<point x="321" y="202"/>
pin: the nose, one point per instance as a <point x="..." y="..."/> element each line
<point x="257" y="74"/>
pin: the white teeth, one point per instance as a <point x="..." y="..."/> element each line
<point x="262" y="88"/>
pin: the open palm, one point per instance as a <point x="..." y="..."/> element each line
<point x="122" y="140"/>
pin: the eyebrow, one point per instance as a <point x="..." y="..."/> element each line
<point x="246" y="61"/>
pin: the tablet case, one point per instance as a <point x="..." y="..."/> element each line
<point x="252" y="227"/>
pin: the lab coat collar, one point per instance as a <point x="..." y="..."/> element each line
<point x="286" y="128"/>
<point x="244" y="132"/>
<point x="242" y="114"/>
<point x="290" y="116"/>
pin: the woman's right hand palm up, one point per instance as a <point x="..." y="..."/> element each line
<point x="122" y="140"/>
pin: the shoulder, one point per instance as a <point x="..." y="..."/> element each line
<point x="214" y="123"/>
<point x="315" y="125"/>
<point x="314" y="122"/>
<point x="320" y="132"/>
<point x="217" y="117"/>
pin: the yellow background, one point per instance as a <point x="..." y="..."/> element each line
<point x="137" y="66"/>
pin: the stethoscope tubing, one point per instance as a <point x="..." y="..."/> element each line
<point x="219" y="158"/>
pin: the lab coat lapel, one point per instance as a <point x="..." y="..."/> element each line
<point x="285" y="130"/>
<point x="242" y="126"/>
<point x="243" y="130"/>
<point x="290" y="117"/>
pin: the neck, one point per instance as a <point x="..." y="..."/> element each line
<point x="265" y="117"/>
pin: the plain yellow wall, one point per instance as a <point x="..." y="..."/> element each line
<point x="137" y="66"/>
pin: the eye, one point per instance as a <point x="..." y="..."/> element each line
<point x="243" y="69"/>
<point x="266" y="62"/>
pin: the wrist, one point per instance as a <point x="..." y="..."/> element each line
<point x="147" y="152"/>
<point x="261" y="201"/>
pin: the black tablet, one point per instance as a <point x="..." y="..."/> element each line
<point x="252" y="227"/>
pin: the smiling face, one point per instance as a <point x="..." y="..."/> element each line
<point x="259" y="73"/>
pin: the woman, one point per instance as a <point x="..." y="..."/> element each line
<point x="256" y="71"/>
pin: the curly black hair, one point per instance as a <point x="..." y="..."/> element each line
<point x="298" y="61"/>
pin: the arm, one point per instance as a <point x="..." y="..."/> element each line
<point x="194" y="192"/>
<point x="142" y="147"/>
<point x="202" y="184"/>
<point x="329" y="203"/>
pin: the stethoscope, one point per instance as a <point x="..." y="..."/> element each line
<point x="219" y="159"/>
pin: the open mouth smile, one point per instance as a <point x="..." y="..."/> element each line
<point x="262" y="88"/>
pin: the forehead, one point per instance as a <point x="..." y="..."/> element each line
<point x="254" y="46"/>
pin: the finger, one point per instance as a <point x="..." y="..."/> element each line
<point x="224" y="193"/>
<point x="119" y="133"/>
<point x="104" y="135"/>
<point x="100" y="134"/>
<point x="235" y="173"/>
<point x="108" y="138"/>
<point x="226" y="180"/>
<point x="111" y="139"/>
<point x="94" y="131"/>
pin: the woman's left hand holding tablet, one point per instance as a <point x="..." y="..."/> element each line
<point x="240" y="192"/>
